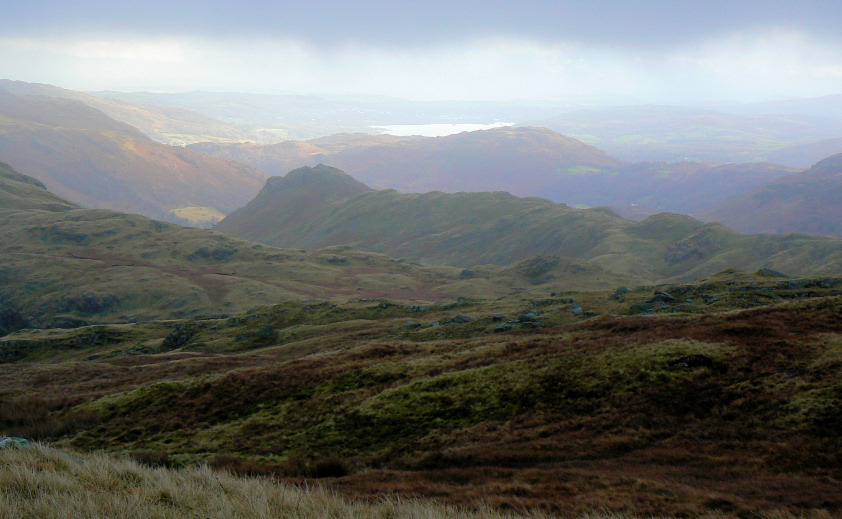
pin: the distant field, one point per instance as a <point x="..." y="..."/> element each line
<point x="199" y="216"/>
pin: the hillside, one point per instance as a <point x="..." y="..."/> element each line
<point x="810" y="201"/>
<point x="165" y="124"/>
<point x="718" y="397"/>
<point x="84" y="156"/>
<point x="524" y="161"/>
<point x="467" y="229"/>
<point x="20" y="192"/>
<point x="805" y="155"/>
<point x="39" y="481"/>
<point x="65" y="266"/>
<point x="677" y="187"/>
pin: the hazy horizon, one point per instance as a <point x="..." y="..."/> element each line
<point x="638" y="52"/>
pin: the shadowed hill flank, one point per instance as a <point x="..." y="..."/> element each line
<point x="525" y="161"/>
<point x="810" y="201"/>
<point x="85" y="156"/>
<point x="21" y="192"/>
<point x="466" y="229"/>
<point x="64" y="266"/>
<point x="522" y="160"/>
<point x="286" y="201"/>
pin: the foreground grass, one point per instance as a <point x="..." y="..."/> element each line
<point x="708" y="402"/>
<point x="44" y="483"/>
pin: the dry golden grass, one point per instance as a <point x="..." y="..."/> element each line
<point x="40" y="482"/>
<point x="45" y="483"/>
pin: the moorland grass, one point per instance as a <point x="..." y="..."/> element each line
<point x="44" y="483"/>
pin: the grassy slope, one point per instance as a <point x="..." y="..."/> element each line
<point x="62" y="265"/>
<point x="166" y="124"/>
<point x="50" y="484"/>
<point x="465" y="229"/>
<point x="694" y="408"/>
<point x="84" y="156"/>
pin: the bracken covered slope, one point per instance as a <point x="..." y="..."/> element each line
<point x="86" y="157"/>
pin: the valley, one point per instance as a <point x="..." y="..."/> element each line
<point x="195" y="309"/>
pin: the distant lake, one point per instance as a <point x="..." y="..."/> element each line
<point x="436" y="130"/>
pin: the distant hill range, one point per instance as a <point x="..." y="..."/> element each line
<point x="521" y="160"/>
<point x="64" y="266"/>
<point x="85" y="156"/>
<point x="805" y="155"/>
<point x="321" y="206"/>
<point x="672" y="133"/>
<point x="524" y="161"/>
<point x="100" y="151"/>
<point x="810" y="201"/>
<point x="164" y="124"/>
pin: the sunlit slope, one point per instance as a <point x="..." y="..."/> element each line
<point x="165" y="124"/>
<point x="84" y="156"/>
<point x="464" y="229"/>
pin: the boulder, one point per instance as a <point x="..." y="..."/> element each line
<point x="11" y="442"/>
<point x="664" y="297"/>
<point x="503" y="327"/>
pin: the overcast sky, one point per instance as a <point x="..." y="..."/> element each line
<point x="656" y="51"/>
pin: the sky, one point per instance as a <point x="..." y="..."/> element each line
<point x="635" y="51"/>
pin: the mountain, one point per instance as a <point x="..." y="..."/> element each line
<point x="810" y="201"/>
<point x="287" y="201"/>
<point x="524" y="161"/>
<point x="312" y="116"/>
<point x="61" y="265"/>
<point x="679" y="187"/>
<point x="670" y="133"/>
<point x="469" y="229"/>
<point x="188" y="347"/>
<point x="20" y="192"/>
<point x="85" y="156"/>
<point x="165" y="124"/>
